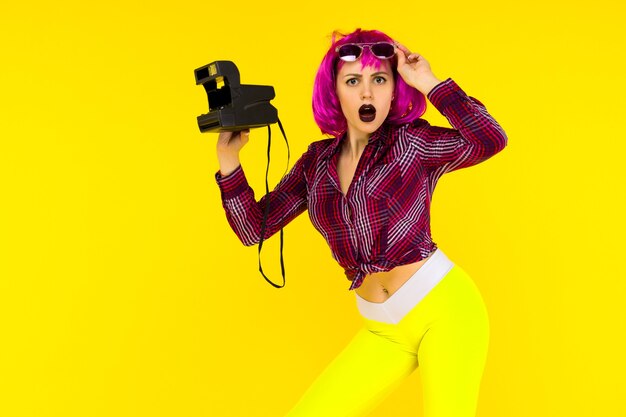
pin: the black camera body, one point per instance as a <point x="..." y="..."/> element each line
<point x="233" y="106"/>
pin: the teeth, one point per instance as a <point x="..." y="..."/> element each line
<point x="367" y="108"/>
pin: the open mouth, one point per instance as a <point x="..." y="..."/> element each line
<point x="367" y="113"/>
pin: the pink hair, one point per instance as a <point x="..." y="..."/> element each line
<point x="408" y="104"/>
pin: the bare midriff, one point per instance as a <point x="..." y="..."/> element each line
<point x="379" y="286"/>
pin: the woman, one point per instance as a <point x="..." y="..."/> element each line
<point x="368" y="191"/>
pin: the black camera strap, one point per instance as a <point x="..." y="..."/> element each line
<point x="267" y="205"/>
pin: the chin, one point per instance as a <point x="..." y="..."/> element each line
<point x="368" y="128"/>
<point x="376" y="124"/>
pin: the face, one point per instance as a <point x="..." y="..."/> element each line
<point x="365" y="96"/>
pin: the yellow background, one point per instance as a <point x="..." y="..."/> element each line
<point x="124" y="292"/>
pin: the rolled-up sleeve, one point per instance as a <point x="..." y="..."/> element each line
<point x="474" y="138"/>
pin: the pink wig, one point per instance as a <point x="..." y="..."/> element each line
<point x="408" y="104"/>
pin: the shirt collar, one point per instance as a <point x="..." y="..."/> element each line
<point x="382" y="134"/>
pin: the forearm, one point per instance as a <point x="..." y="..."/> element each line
<point x="245" y="214"/>
<point x="228" y="163"/>
<point x="239" y="203"/>
<point x="474" y="137"/>
<point x="470" y="117"/>
<point x="425" y="85"/>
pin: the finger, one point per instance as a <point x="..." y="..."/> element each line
<point x="402" y="54"/>
<point x="225" y="136"/>
<point x="415" y="57"/>
<point x="245" y="137"/>
<point x="401" y="57"/>
<point x="403" y="48"/>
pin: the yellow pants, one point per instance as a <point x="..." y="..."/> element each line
<point x="446" y="335"/>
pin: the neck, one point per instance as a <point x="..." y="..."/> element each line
<point x="354" y="144"/>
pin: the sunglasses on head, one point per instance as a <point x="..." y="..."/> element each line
<point x="352" y="51"/>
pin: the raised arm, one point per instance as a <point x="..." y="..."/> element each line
<point x="244" y="213"/>
<point x="474" y="138"/>
<point x="475" y="135"/>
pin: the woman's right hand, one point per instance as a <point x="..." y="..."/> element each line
<point x="230" y="143"/>
<point x="228" y="146"/>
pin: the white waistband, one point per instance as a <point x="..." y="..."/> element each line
<point x="410" y="293"/>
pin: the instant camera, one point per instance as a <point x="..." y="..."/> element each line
<point x="233" y="106"/>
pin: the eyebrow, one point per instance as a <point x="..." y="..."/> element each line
<point x="359" y="75"/>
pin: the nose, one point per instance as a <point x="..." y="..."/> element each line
<point x="366" y="92"/>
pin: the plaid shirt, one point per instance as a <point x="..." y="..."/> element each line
<point x="384" y="220"/>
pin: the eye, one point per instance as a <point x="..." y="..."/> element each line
<point x="380" y="80"/>
<point x="349" y="82"/>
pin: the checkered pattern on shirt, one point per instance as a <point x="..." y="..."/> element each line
<point x="384" y="219"/>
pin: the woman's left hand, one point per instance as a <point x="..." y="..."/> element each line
<point x="415" y="70"/>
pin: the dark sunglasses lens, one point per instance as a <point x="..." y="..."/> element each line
<point x="383" y="50"/>
<point x="349" y="52"/>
